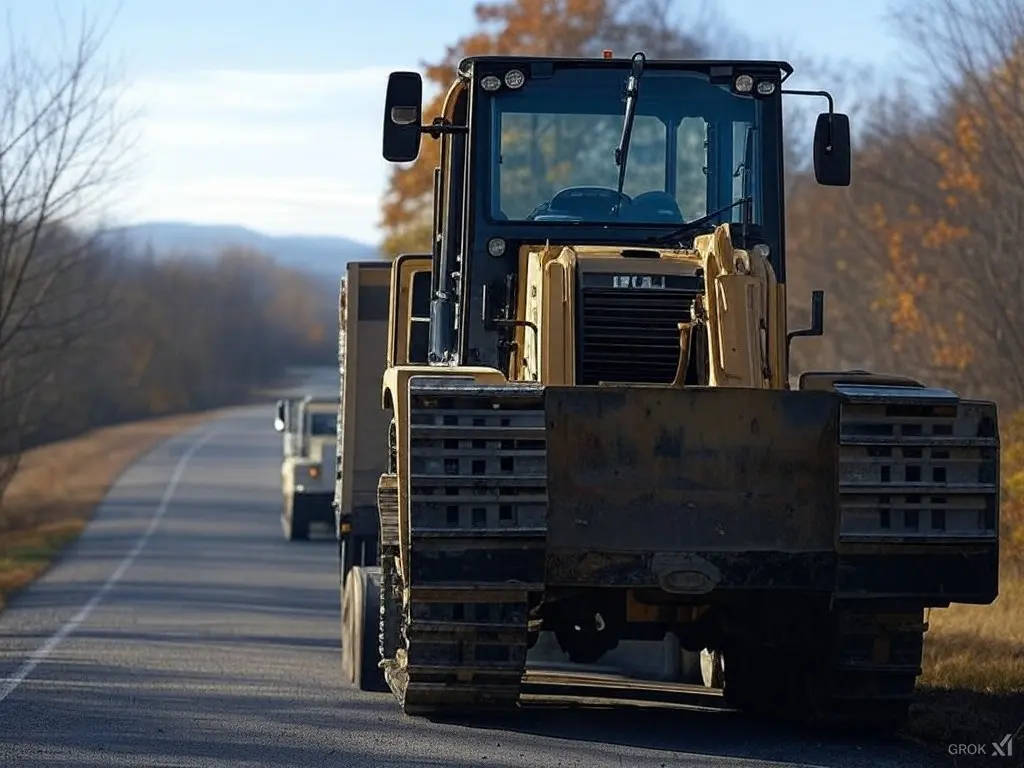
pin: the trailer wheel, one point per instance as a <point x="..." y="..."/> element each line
<point x="360" y="628"/>
<point x="712" y="668"/>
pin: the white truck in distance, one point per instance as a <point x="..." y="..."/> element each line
<point x="309" y="464"/>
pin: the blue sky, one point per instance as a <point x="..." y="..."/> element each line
<point x="267" y="113"/>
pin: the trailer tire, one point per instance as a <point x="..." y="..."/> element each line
<point x="360" y="629"/>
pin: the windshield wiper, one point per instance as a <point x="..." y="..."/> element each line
<point x="700" y="223"/>
<point x="632" y="93"/>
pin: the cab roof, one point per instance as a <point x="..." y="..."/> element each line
<point x="708" y="66"/>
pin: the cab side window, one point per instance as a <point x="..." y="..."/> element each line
<point x="419" y="318"/>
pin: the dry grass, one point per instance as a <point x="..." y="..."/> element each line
<point x="972" y="687"/>
<point x="58" y="486"/>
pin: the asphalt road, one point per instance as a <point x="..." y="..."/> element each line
<point x="181" y="629"/>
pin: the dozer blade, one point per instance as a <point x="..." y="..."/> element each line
<point x="691" y="489"/>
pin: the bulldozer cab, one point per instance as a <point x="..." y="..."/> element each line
<point x="560" y="159"/>
<point x="304" y="421"/>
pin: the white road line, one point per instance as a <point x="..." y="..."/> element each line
<point x="10" y="685"/>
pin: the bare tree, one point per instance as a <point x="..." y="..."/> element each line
<point x="920" y="254"/>
<point x="61" y="141"/>
<point x="963" y="201"/>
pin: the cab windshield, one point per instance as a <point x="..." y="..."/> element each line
<point x="694" y="149"/>
<point x="323" y="423"/>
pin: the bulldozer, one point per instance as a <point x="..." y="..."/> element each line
<point x="593" y="429"/>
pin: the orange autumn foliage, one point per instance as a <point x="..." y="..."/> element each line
<point x="941" y="238"/>
<point x="920" y="257"/>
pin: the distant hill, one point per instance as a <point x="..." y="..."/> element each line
<point x="316" y="254"/>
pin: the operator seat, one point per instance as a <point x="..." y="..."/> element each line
<point x="656" y="206"/>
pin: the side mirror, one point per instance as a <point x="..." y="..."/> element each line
<point x="817" y="322"/>
<point x="279" y="417"/>
<point x="403" y="109"/>
<point x="832" y="149"/>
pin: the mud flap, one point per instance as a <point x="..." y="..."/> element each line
<point x="689" y="489"/>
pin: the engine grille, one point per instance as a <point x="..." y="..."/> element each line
<point x="629" y="333"/>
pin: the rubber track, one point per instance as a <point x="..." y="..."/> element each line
<point x="478" y="497"/>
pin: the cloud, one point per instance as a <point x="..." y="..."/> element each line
<point x="198" y="133"/>
<point x="277" y="151"/>
<point x="205" y="90"/>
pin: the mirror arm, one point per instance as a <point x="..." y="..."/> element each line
<point x="442" y="126"/>
<point x="831" y="106"/>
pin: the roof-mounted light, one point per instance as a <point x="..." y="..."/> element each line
<point x="766" y="87"/>
<point x="744" y="83"/>
<point x="490" y="83"/>
<point x="514" y="79"/>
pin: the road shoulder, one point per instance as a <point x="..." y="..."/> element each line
<point x="59" y="487"/>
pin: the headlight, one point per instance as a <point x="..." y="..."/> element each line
<point x="496" y="247"/>
<point x="744" y="83"/>
<point x="514" y="79"/>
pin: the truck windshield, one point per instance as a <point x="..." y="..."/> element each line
<point x="695" y="148"/>
<point x="323" y="423"/>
